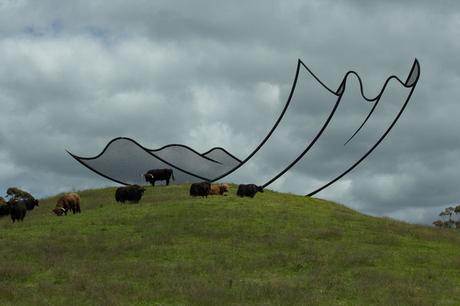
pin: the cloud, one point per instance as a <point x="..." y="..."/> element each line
<point x="73" y="76"/>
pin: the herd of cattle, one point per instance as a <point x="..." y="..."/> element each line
<point x="18" y="204"/>
<point x="134" y="193"/>
<point x="21" y="201"/>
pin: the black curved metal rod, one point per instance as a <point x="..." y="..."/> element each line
<point x="376" y="99"/>
<point x="364" y="122"/>
<point x="272" y="129"/>
<point x="153" y="150"/>
<point x="361" y="86"/>
<point x="299" y="62"/>
<point x="410" y="83"/>
<point x="319" y="81"/>
<point x="226" y="152"/>
<point x="318" y="135"/>
<point x="79" y="159"/>
<point x="340" y="91"/>
<point x="204" y="155"/>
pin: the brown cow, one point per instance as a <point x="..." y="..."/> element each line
<point x="59" y="211"/>
<point x="69" y="201"/>
<point x="218" y="189"/>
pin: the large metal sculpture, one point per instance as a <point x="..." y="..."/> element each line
<point x="123" y="160"/>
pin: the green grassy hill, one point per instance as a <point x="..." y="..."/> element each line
<point x="172" y="249"/>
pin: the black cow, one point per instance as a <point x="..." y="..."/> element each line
<point x="249" y="190"/>
<point x="130" y="193"/>
<point x="29" y="203"/>
<point x="18" y="210"/>
<point x="159" y="175"/>
<point x="15" y="207"/>
<point x="4" y="209"/>
<point x="200" y="189"/>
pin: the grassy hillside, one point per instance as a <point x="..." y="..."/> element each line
<point x="171" y="249"/>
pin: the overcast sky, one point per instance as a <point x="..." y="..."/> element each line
<point x="74" y="75"/>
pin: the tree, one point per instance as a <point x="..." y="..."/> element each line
<point x="447" y="217"/>
<point x="443" y="215"/>
<point x="450" y="212"/>
<point x="457" y="211"/>
<point x="16" y="193"/>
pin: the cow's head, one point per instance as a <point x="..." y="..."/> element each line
<point x="59" y="211"/>
<point x="223" y="188"/>
<point x="148" y="177"/>
<point x="139" y="188"/>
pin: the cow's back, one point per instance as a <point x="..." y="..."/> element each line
<point x="200" y="189"/>
<point x="215" y="189"/>
<point x="241" y="190"/>
<point x="74" y="197"/>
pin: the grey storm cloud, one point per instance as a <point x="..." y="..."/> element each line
<point x="75" y="75"/>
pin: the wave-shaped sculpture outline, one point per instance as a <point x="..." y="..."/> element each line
<point x="80" y="159"/>
<point x="410" y="82"/>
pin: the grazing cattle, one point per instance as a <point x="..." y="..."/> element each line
<point x="18" y="210"/>
<point x="69" y="201"/>
<point x="15" y="205"/>
<point x="159" y="175"/>
<point x="4" y="207"/>
<point x="61" y="208"/>
<point x="59" y="211"/>
<point x="29" y="203"/>
<point x="200" y="189"/>
<point x="248" y="190"/>
<point x="218" y="189"/>
<point x="130" y="193"/>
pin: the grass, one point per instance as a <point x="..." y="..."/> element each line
<point x="172" y="249"/>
